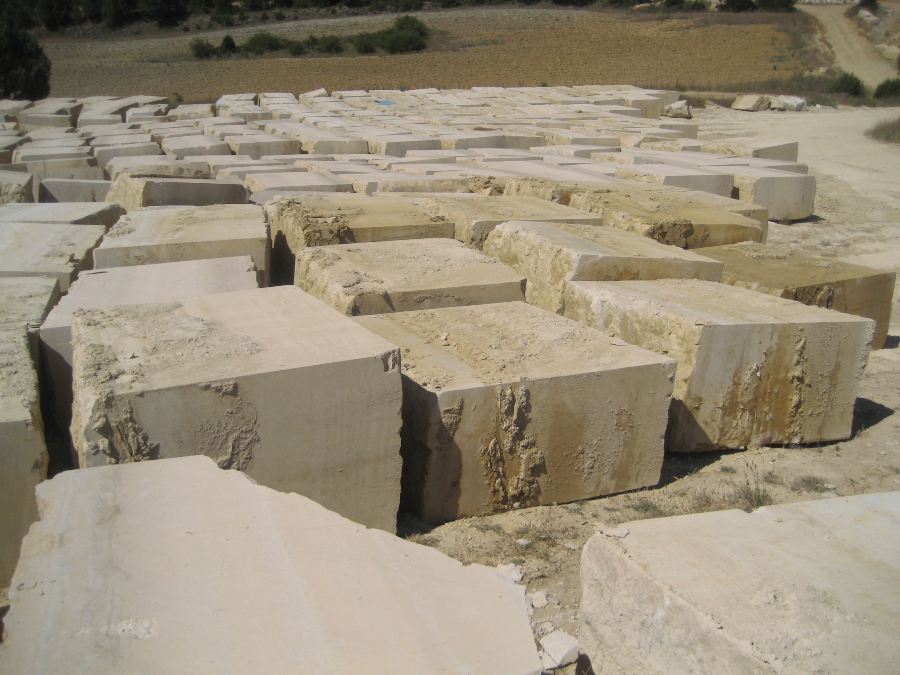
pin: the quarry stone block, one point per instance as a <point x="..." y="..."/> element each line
<point x="136" y="192"/>
<point x="106" y="153"/>
<point x="401" y="276"/>
<point x="508" y="406"/>
<point x="73" y="190"/>
<point x="752" y="368"/>
<point x="189" y="146"/>
<point x="296" y="181"/>
<point x="100" y="213"/>
<point x="263" y="144"/>
<point x="787" y="195"/>
<point x="45" y="249"/>
<point x="16" y="187"/>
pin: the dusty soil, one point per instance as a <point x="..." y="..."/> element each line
<point x="472" y="47"/>
<point x="858" y="220"/>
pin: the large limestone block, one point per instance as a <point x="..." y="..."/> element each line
<point x="159" y="166"/>
<point x="398" y="145"/>
<point x="45" y="249"/>
<point x="296" y="181"/>
<point x="401" y="276"/>
<point x="475" y="216"/>
<point x="319" y="219"/>
<point x="754" y="147"/>
<point x="680" y="176"/>
<point x="71" y="190"/>
<point x="399" y="181"/>
<point x="507" y="406"/>
<point x="263" y="144"/>
<point x="813" y="280"/>
<point x="787" y="195"/>
<point x="253" y="380"/>
<point x="172" y="234"/>
<point x="135" y="285"/>
<point x="199" y="145"/>
<point x="23" y="455"/>
<point x="136" y="192"/>
<point x="752" y="368"/>
<point x="100" y="213"/>
<point x="211" y="556"/>
<point x="106" y="153"/>
<point x="16" y="187"/>
<point x="550" y="255"/>
<point x="26" y="153"/>
<point x="792" y="589"/>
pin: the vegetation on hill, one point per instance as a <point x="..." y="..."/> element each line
<point x="24" y="68"/>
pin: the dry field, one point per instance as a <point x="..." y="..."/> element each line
<point x="473" y="47"/>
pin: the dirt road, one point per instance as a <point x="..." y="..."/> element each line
<point x="852" y="51"/>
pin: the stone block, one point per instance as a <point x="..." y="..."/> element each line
<point x="397" y="145"/>
<point x="47" y="250"/>
<point x="171" y="234"/>
<point x="136" y="192"/>
<point x="296" y="181"/>
<point x="754" y="147"/>
<point x="73" y="190"/>
<point x="16" y="187"/>
<point x="191" y="146"/>
<point x="260" y="144"/>
<point x="321" y="593"/>
<point x="509" y="406"/>
<point x="100" y="213"/>
<point x="751" y="103"/>
<point x="23" y="454"/>
<point x="550" y="255"/>
<point x="157" y="166"/>
<point x="787" y="195"/>
<point x="752" y="368"/>
<point x="680" y="176"/>
<point x="813" y="280"/>
<point x="398" y="181"/>
<point x="106" y="153"/>
<point x="191" y="112"/>
<point x="796" y="588"/>
<point x="251" y="379"/>
<point x="121" y="139"/>
<point x="400" y="276"/>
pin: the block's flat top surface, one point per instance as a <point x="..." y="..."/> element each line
<point x="823" y="573"/>
<point x="778" y="266"/>
<point x="708" y="302"/>
<point x="142" y="284"/>
<point x="209" y="337"/>
<point x="410" y="264"/>
<point x="171" y="224"/>
<point x="195" y="141"/>
<point x="289" y="179"/>
<point x="25" y="301"/>
<point x="496" y="343"/>
<point x="57" y="213"/>
<point x="313" y="209"/>
<point x="38" y="246"/>
<point x="499" y="209"/>
<point x="204" y="572"/>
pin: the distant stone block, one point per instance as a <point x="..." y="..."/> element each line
<point x="136" y="192"/>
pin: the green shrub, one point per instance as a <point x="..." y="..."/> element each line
<point x="365" y="43"/>
<point x="279" y="16"/>
<point x="775" y="5"/>
<point x="202" y="48"/>
<point x="264" y="16"/>
<point x="870" y="5"/>
<point x="330" y="44"/>
<point x="847" y="83"/>
<point x="887" y="131"/>
<point x="413" y="24"/>
<point x="24" y="68"/>
<point x="296" y="48"/>
<point x="228" y="46"/>
<point x="890" y="88"/>
<point x="403" y="42"/>
<point x="737" y="6"/>
<point x="262" y="42"/>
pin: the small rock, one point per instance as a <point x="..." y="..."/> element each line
<point x="524" y="543"/>
<point x="539" y="599"/>
<point x="572" y="546"/>
<point x="514" y="572"/>
<point x="679" y="109"/>
<point x="619" y="532"/>
<point x="561" y="648"/>
<point x="829" y="486"/>
<point x="545" y="628"/>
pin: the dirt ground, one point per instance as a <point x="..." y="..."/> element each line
<point x="472" y="47"/>
<point x="857" y="219"/>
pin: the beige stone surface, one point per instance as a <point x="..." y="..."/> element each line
<point x="550" y="255"/>
<point x="178" y="567"/>
<point x="253" y="380"/>
<point x="797" y="588"/>
<point x="135" y="192"/>
<point x="508" y="406"/>
<point x="679" y="176"/>
<point x="189" y="146"/>
<point x="261" y="144"/>
<point x="787" y="195"/>
<point x="100" y="213"/>
<point x="23" y="455"/>
<point x="16" y="187"/>
<point x="752" y="368"/>
<point x="401" y="276"/>
<point x="813" y="280"/>
<point x="45" y="249"/>
<point x="172" y="234"/>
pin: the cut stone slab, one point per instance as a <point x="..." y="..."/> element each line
<point x="296" y="181"/>
<point x="797" y="588"/>
<point x="560" y="649"/>
<point x="550" y="255"/>
<point x="23" y="454"/>
<point x="136" y="192"/>
<point x="71" y="190"/>
<point x="107" y="153"/>
<point x="680" y="176"/>
<point x="401" y="276"/>
<point x="813" y="280"/>
<point x="754" y="147"/>
<point x="135" y="285"/>
<point x="319" y="219"/>
<point x="475" y="216"/>
<point x="100" y="213"/>
<point x="251" y="379"/>
<point x="787" y="195"/>
<point x="173" y="234"/>
<point x="508" y="406"/>
<point x="751" y="103"/>
<point x="316" y="587"/>
<point x="261" y="144"/>
<point x="16" y="187"/>
<point x="189" y="146"/>
<point x="159" y="166"/>
<point x="45" y="249"/>
<point x="752" y="368"/>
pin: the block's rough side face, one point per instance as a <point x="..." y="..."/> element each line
<point x="752" y="368"/>
<point x="319" y="593"/>
<point x="253" y="380"/>
<point x="23" y="454"/>
<point x="401" y="276"/>
<point x="794" y="589"/>
<point x="506" y="405"/>
<point x="552" y="254"/>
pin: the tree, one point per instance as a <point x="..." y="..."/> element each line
<point x="24" y="68"/>
<point x="115" y="12"/>
<point x="92" y="10"/>
<point x="165" y="12"/>
<point x="54" y="14"/>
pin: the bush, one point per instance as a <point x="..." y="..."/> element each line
<point x="870" y="5"/>
<point x="403" y="42"/>
<point x="888" y="131"/>
<point x="24" y="68"/>
<point x="775" y="5"/>
<point x="296" y="48"/>
<point x="262" y="42"/>
<point x="202" y="48"/>
<point x="228" y="46"/>
<point x="412" y="24"/>
<point x="890" y="88"/>
<point x="847" y="83"/>
<point x="330" y="44"/>
<point x="365" y="43"/>
<point x="737" y="6"/>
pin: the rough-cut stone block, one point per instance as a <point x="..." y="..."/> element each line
<point x="787" y="195"/>
<point x="680" y="176"/>
<point x="401" y="276"/>
<point x="188" y="146"/>
<point x="550" y="255"/>
<point x="398" y="145"/>
<point x="16" y="187"/>
<point x="172" y="234"/>
<point x="398" y="181"/>
<point x="23" y="455"/>
<point x="251" y="379"/>
<point x="319" y="219"/>
<point x="752" y="368"/>
<point x="754" y="147"/>
<point x="133" y="285"/>
<point x="260" y="144"/>
<point x="296" y="181"/>
<point x="157" y="166"/>
<point x="100" y="213"/>
<point x="46" y="249"/>
<point x="191" y="112"/>
<point x="812" y="280"/>
<point x="73" y="190"/>
<point x="107" y="153"/>
<point x="792" y="589"/>
<point x="476" y="215"/>
<point x="136" y="192"/>
<point x="507" y="406"/>
<point x="210" y="556"/>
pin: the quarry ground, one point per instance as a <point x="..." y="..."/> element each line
<point x="858" y="220"/>
<point x="471" y="47"/>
